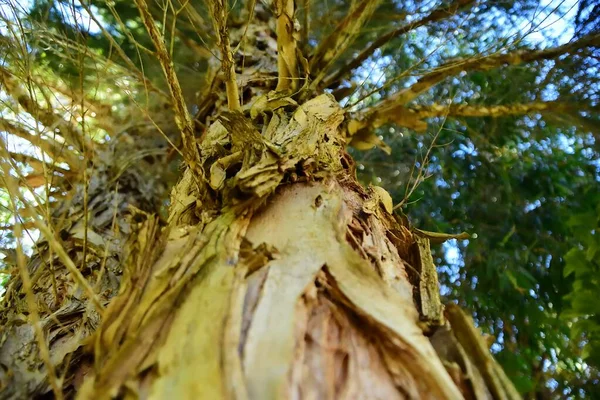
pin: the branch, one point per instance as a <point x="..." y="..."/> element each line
<point x="413" y="117"/>
<point x="34" y="317"/>
<point x="465" y="110"/>
<point x="219" y="18"/>
<point x="132" y="67"/>
<point x="305" y="25"/>
<point x="182" y="116"/>
<point x="46" y="116"/>
<point x="29" y="225"/>
<point x="101" y="113"/>
<point x="38" y="165"/>
<point x="54" y="149"/>
<point x="343" y="35"/>
<point x="15" y="194"/>
<point x="436" y="15"/>
<point x="387" y="107"/>
<point x="181" y="28"/>
<point x="287" y="63"/>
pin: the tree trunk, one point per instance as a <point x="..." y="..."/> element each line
<point x="280" y="277"/>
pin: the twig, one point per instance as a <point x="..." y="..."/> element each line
<point x="10" y="184"/>
<point x="484" y="63"/>
<point x="219" y="19"/>
<point x="335" y="44"/>
<point x="420" y="175"/>
<point x="182" y="116"/>
<point x="435" y="15"/>
<point x="78" y="278"/>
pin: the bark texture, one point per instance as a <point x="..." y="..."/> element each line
<point x="94" y="224"/>
<point x="280" y="277"/>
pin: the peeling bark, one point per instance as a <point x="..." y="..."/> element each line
<point x="285" y="279"/>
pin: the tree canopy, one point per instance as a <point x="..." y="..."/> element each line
<point x="478" y="117"/>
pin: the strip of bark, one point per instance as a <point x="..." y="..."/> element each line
<point x="436" y="15"/>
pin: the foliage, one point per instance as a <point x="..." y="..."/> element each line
<point x="581" y="262"/>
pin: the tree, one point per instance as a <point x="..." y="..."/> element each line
<point x="274" y="272"/>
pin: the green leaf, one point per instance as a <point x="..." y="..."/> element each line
<point x="513" y="280"/>
<point x="591" y="252"/>
<point x="575" y="261"/>
<point x="586" y="221"/>
<point x="586" y="303"/>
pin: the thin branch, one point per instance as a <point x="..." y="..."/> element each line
<point x="305" y="25"/>
<point x="33" y="162"/>
<point x="24" y="225"/>
<point x="32" y="306"/>
<point x="197" y="24"/>
<point x="389" y="82"/>
<point x="421" y="175"/>
<point x="192" y="14"/>
<point x="436" y="15"/>
<point x="381" y="112"/>
<point x="132" y="67"/>
<point x="182" y="116"/>
<point x="218" y="9"/>
<point x="49" y="235"/>
<point x="465" y="110"/>
<point x="180" y="27"/>
<point x="49" y="39"/>
<point x="94" y="105"/>
<point x="413" y="117"/>
<point x="54" y="149"/>
<point x="335" y="44"/>
<point x="287" y="63"/>
<point x="50" y="120"/>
